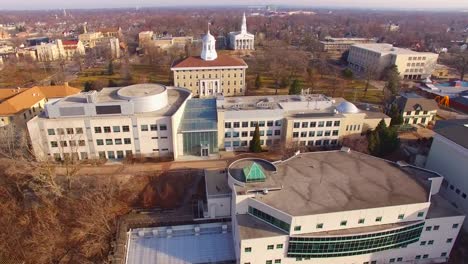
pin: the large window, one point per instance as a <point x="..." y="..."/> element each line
<point x="324" y="247"/>
<point x="270" y="219"/>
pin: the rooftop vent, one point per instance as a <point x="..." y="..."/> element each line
<point x="345" y="149"/>
<point x="402" y="163"/>
<point x="91" y="97"/>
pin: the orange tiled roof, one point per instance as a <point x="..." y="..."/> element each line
<point x="6" y="93"/>
<point x="221" y="61"/>
<point x="32" y="96"/>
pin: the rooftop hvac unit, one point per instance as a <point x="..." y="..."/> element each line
<point x="155" y="232"/>
<point x="141" y="233"/>
<point x="169" y="232"/>
<point x="224" y="229"/>
<point x="91" y="97"/>
<point x="197" y="230"/>
<point x="345" y="149"/>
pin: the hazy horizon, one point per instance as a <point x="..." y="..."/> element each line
<point x="348" y="4"/>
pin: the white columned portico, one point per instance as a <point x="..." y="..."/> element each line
<point x="209" y="87"/>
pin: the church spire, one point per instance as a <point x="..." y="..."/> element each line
<point x="244" y="24"/>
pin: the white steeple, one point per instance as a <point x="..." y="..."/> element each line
<point x="209" y="47"/>
<point x="244" y="24"/>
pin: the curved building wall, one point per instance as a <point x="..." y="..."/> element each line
<point x="338" y="246"/>
<point x="153" y="101"/>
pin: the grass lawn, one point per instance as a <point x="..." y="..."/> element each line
<point x="140" y="74"/>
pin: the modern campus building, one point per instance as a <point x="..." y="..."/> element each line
<point x="335" y="47"/>
<point x="376" y="57"/>
<point x="154" y="120"/>
<point x="416" y="109"/>
<point x="320" y="207"/>
<point x="339" y="207"/>
<point x="211" y="74"/>
<point x="242" y="40"/>
<point x="448" y="156"/>
<point x="312" y="120"/>
<point x="113" y="123"/>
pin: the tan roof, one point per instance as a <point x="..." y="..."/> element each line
<point x="32" y="96"/>
<point x="221" y="61"/>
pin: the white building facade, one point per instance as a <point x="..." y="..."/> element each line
<point x="137" y="120"/>
<point x="242" y="40"/>
<point x="448" y="156"/>
<point x="312" y="215"/>
<point x="376" y="57"/>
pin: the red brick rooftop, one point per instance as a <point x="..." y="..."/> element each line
<point x="221" y="61"/>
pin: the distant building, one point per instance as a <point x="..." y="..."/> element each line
<point x="335" y="47"/>
<point x="111" y="32"/>
<point x="89" y="40"/>
<point x="448" y="156"/>
<point x="148" y="39"/>
<point x="19" y="105"/>
<point x="50" y="51"/>
<point x="378" y="56"/>
<point x="73" y="48"/>
<point x="242" y="40"/>
<point x="210" y="74"/>
<point x="416" y="109"/>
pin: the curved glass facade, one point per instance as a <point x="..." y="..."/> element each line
<point x="270" y="219"/>
<point x="324" y="247"/>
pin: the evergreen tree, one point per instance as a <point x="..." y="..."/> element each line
<point x="110" y="68"/>
<point x="383" y="140"/>
<point x="348" y="74"/>
<point x="258" y="81"/>
<point x="397" y="117"/>
<point x="392" y="78"/>
<point x="255" y="145"/>
<point x="88" y="86"/>
<point x="112" y="83"/>
<point x="295" y="87"/>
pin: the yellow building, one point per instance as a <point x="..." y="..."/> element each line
<point x="19" y="105"/>
<point x="211" y="74"/>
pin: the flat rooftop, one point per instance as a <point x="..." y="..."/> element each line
<point x="386" y="48"/>
<point x="183" y="246"/>
<point x="312" y="102"/>
<point x="108" y="95"/>
<point x="141" y="90"/>
<point x="216" y="183"/>
<point x="334" y="181"/>
<point x="251" y="227"/>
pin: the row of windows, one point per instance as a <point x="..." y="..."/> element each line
<point x="117" y="141"/>
<point x="62" y="131"/>
<point x="416" y="58"/>
<point x="353" y="127"/>
<point x="418" y="112"/>
<point x="203" y="70"/>
<point x="322" y="247"/>
<point x="360" y="221"/>
<point x="64" y="143"/>
<point x="414" y="70"/>
<point x="268" y="123"/>
<point x="457" y="191"/>
<point x="415" y="64"/>
<point x="222" y="90"/>
<point x="108" y="129"/>
<point x="236" y="134"/>
<point x="316" y="124"/>
<point x="209" y="76"/>
<point x="269" y="219"/>
<point x="268" y="261"/>
<point x="69" y="156"/>
<point x="119" y="154"/>
<point x="245" y="143"/>
<point x="319" y="133"/>
<point x="153" y="127"/>
<point x="319" y="142"/>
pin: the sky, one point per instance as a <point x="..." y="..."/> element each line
<point x="89" y="4"/>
